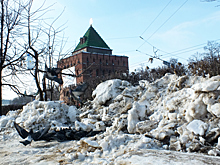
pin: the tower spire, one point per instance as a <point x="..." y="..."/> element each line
<point x="90" y="21"/>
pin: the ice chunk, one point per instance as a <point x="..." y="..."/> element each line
<point x="72" y="113"/>
<point x="196" y="110"/>
<point x="108" y="90"/>
<point x="214" y="109"/>
<point x="198" y="127"/>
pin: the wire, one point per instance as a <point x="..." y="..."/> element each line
<point x="126" y="51"/>
<point x="138" y="63"/>
<point x="185" y="50"/>
<point x="171" y="54"/>
<point x="145" y="53"/>
<point x="156" y="17"/>
<point x="121" y="38"/>
<point x="146" y="41"/>
<point x="168" y="19"/>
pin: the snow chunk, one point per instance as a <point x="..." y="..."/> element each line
<point x="198" y="127"/>
<point x="40" y="113"/>
<point x="3" y="121"/>
<point x="72" y="113"/>
<point x="215" y="109"/>
<point x="206" y="86"/>
<point x="196" y="110"/>
<point x="108" y="90"/>
<point x="138" y="111"/>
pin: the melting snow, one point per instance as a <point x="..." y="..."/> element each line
<point x="161" y="122"/>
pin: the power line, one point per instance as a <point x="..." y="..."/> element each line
<point x="152" y="56"/>
<point x="168" y="19"/>
<point x="185" y="50"/>
<point x="171" y="54"/>
<point x="121" y="38"/>
<point x="181" y="51"/>
<point x="126" y="51"/>
<point x="156" y="17"/>
<point x="146" y="41"/>
<point x="138" y="63"/>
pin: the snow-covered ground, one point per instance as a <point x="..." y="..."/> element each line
<point x="174" y="120"/>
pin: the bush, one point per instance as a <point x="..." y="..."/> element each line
<point x="208" y="63"/>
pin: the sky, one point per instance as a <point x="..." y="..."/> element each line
<point x="139" y="29"/>
<point x="165" y="27"/>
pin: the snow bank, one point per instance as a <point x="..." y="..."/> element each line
<point x="108" y="90"/>
<point x="172" y="113"/>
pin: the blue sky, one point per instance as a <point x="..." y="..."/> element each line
<point x="167" y="25"/>
<point x="181" y="24"/>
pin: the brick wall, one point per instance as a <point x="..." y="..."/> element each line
<point x="98" y="67"/>
<point x="98" y="64"/>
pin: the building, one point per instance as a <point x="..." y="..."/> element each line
<point x="94" y="58"/>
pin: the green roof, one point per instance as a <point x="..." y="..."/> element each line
<point x="92" y="39"/>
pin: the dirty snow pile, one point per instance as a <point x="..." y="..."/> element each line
<point x="171" y="113"/>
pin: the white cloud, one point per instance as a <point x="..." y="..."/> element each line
<point x="187" y="33"/>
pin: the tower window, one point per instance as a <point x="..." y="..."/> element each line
<point x="97" y="73"/>
<point x="87" y="61"/>
<point x="82" y="40"/>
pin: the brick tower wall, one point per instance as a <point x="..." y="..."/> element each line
<point x="98" y="65"/>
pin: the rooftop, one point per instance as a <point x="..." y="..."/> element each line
<point x="91" y="39"/>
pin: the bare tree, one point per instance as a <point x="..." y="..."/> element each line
<point x="25" y="31"/>
<point x="207" y="63"/>
<point x="42" y="43"/>
<point x="21" y="33"/>
<point x="11" y="52"/>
